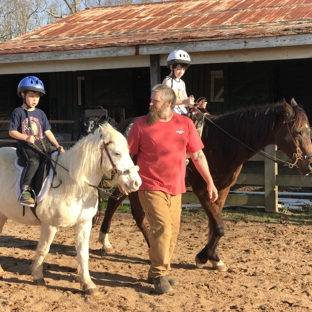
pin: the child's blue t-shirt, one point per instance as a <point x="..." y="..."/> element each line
<point x="38" y="125"/>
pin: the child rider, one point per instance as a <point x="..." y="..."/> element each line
<point x="178" y="61"/>
<point x="29" y="126"/>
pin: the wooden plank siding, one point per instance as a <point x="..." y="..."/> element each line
<point x="128" y="90"/>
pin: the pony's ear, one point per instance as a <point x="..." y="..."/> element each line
<point x="290" y="112"/>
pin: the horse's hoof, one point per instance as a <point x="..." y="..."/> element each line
<point x="219" y="266"/>
<point x="108" y="250"/>
<point x="39" y="282"/>
<point x="91" y="291"/>
<point x="1" y="270"/>
<point x="199" y="264"/>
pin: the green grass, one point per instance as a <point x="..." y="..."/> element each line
<point x="237" y="214"/>
<point x="122" y="208"/>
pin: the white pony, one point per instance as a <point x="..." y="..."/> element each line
<point x="74" y="202"/>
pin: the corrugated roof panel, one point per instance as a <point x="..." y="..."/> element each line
<point x="167" y="22"/>
<point x="298" y="13"/>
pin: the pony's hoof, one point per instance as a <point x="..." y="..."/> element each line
<point x="108" y="250"/>
<point x="1" y="270"/>
<point x="91" y="291"/>
<point x="39" y="282"/>
<point x="219" y="266"/>
<point x="199" y="264"/>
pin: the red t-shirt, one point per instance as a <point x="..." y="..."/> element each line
<point x="161" y="150"/>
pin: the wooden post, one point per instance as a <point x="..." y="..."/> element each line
<point x="270" y="187"/>
<point x="155" y="70"/>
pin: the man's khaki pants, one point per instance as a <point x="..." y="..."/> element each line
<point x="163" y="212"/>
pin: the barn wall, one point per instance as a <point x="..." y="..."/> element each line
<point x="249" y="84"/>
<point x="126" y="92"/>
<point x="293" y="79"/>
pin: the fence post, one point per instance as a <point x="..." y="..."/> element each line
<point x="270" y="187"/>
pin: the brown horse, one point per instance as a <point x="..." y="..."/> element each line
<point x="230" y="140"/>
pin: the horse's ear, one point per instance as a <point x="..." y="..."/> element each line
<point x="290" y="112"/>
<point x="293" y="102"/>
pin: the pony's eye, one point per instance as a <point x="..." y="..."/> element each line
<point x="117" y="154"/>
<point x="298" y="133"/>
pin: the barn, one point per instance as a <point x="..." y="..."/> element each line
<point x="243" y="52"/>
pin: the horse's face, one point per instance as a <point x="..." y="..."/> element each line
<point x="118" y="163"/>
<point x="294" y="137"/>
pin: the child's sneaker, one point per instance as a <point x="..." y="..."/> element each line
<point x="26" y="198"/>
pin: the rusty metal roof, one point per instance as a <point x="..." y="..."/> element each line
<point x="167" y="22"/>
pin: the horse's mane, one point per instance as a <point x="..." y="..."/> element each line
<point x="253" y="123"/>
<point x="85" y="155"/>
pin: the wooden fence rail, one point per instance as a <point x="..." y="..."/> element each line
<point x="269" y="179"/>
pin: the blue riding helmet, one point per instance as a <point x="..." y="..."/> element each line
<point x="30" y="83"/>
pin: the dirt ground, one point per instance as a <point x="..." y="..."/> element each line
<point x="269" y="269"/>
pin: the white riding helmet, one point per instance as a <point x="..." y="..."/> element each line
<point x="178" y="57"/>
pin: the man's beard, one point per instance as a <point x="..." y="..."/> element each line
<point x="155" y="114"/>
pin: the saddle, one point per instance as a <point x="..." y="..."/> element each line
<point x="42" y="180"/>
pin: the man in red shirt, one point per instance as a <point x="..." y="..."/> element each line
<point x="161" y="140"/>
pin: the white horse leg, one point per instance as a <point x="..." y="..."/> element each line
<point x="3" y="219"/>
<point x="82" y="233"/>
<point x="107" y="247"/>
<point x="47" y="234"/>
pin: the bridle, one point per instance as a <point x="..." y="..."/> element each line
<point x="108" y="190"/>
<point x="115" y="171"/>
<point x="297" y="156"/>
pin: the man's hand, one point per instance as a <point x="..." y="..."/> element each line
<point x="212" y="193"/>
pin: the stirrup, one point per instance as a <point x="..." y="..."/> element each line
<point x="28" y="205"/>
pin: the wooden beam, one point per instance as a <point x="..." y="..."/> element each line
<point x="270" y="187"/>
<point x="155" y="70"/>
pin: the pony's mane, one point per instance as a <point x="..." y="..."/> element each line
<point x="85" y="155"/>
<point x="252" y="123"/>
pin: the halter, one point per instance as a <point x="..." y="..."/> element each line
<point x="297" y="156"/>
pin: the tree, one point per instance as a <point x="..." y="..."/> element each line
<point x="17" y="17"/>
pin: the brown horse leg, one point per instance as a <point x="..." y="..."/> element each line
<point x="112" y="206"/>
<point x="216" y="231"/>
<point x="139" y="215"/>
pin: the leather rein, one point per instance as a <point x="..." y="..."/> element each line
<point x="297" y="156"/>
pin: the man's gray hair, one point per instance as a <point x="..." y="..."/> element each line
<point x="167" y="94"/>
